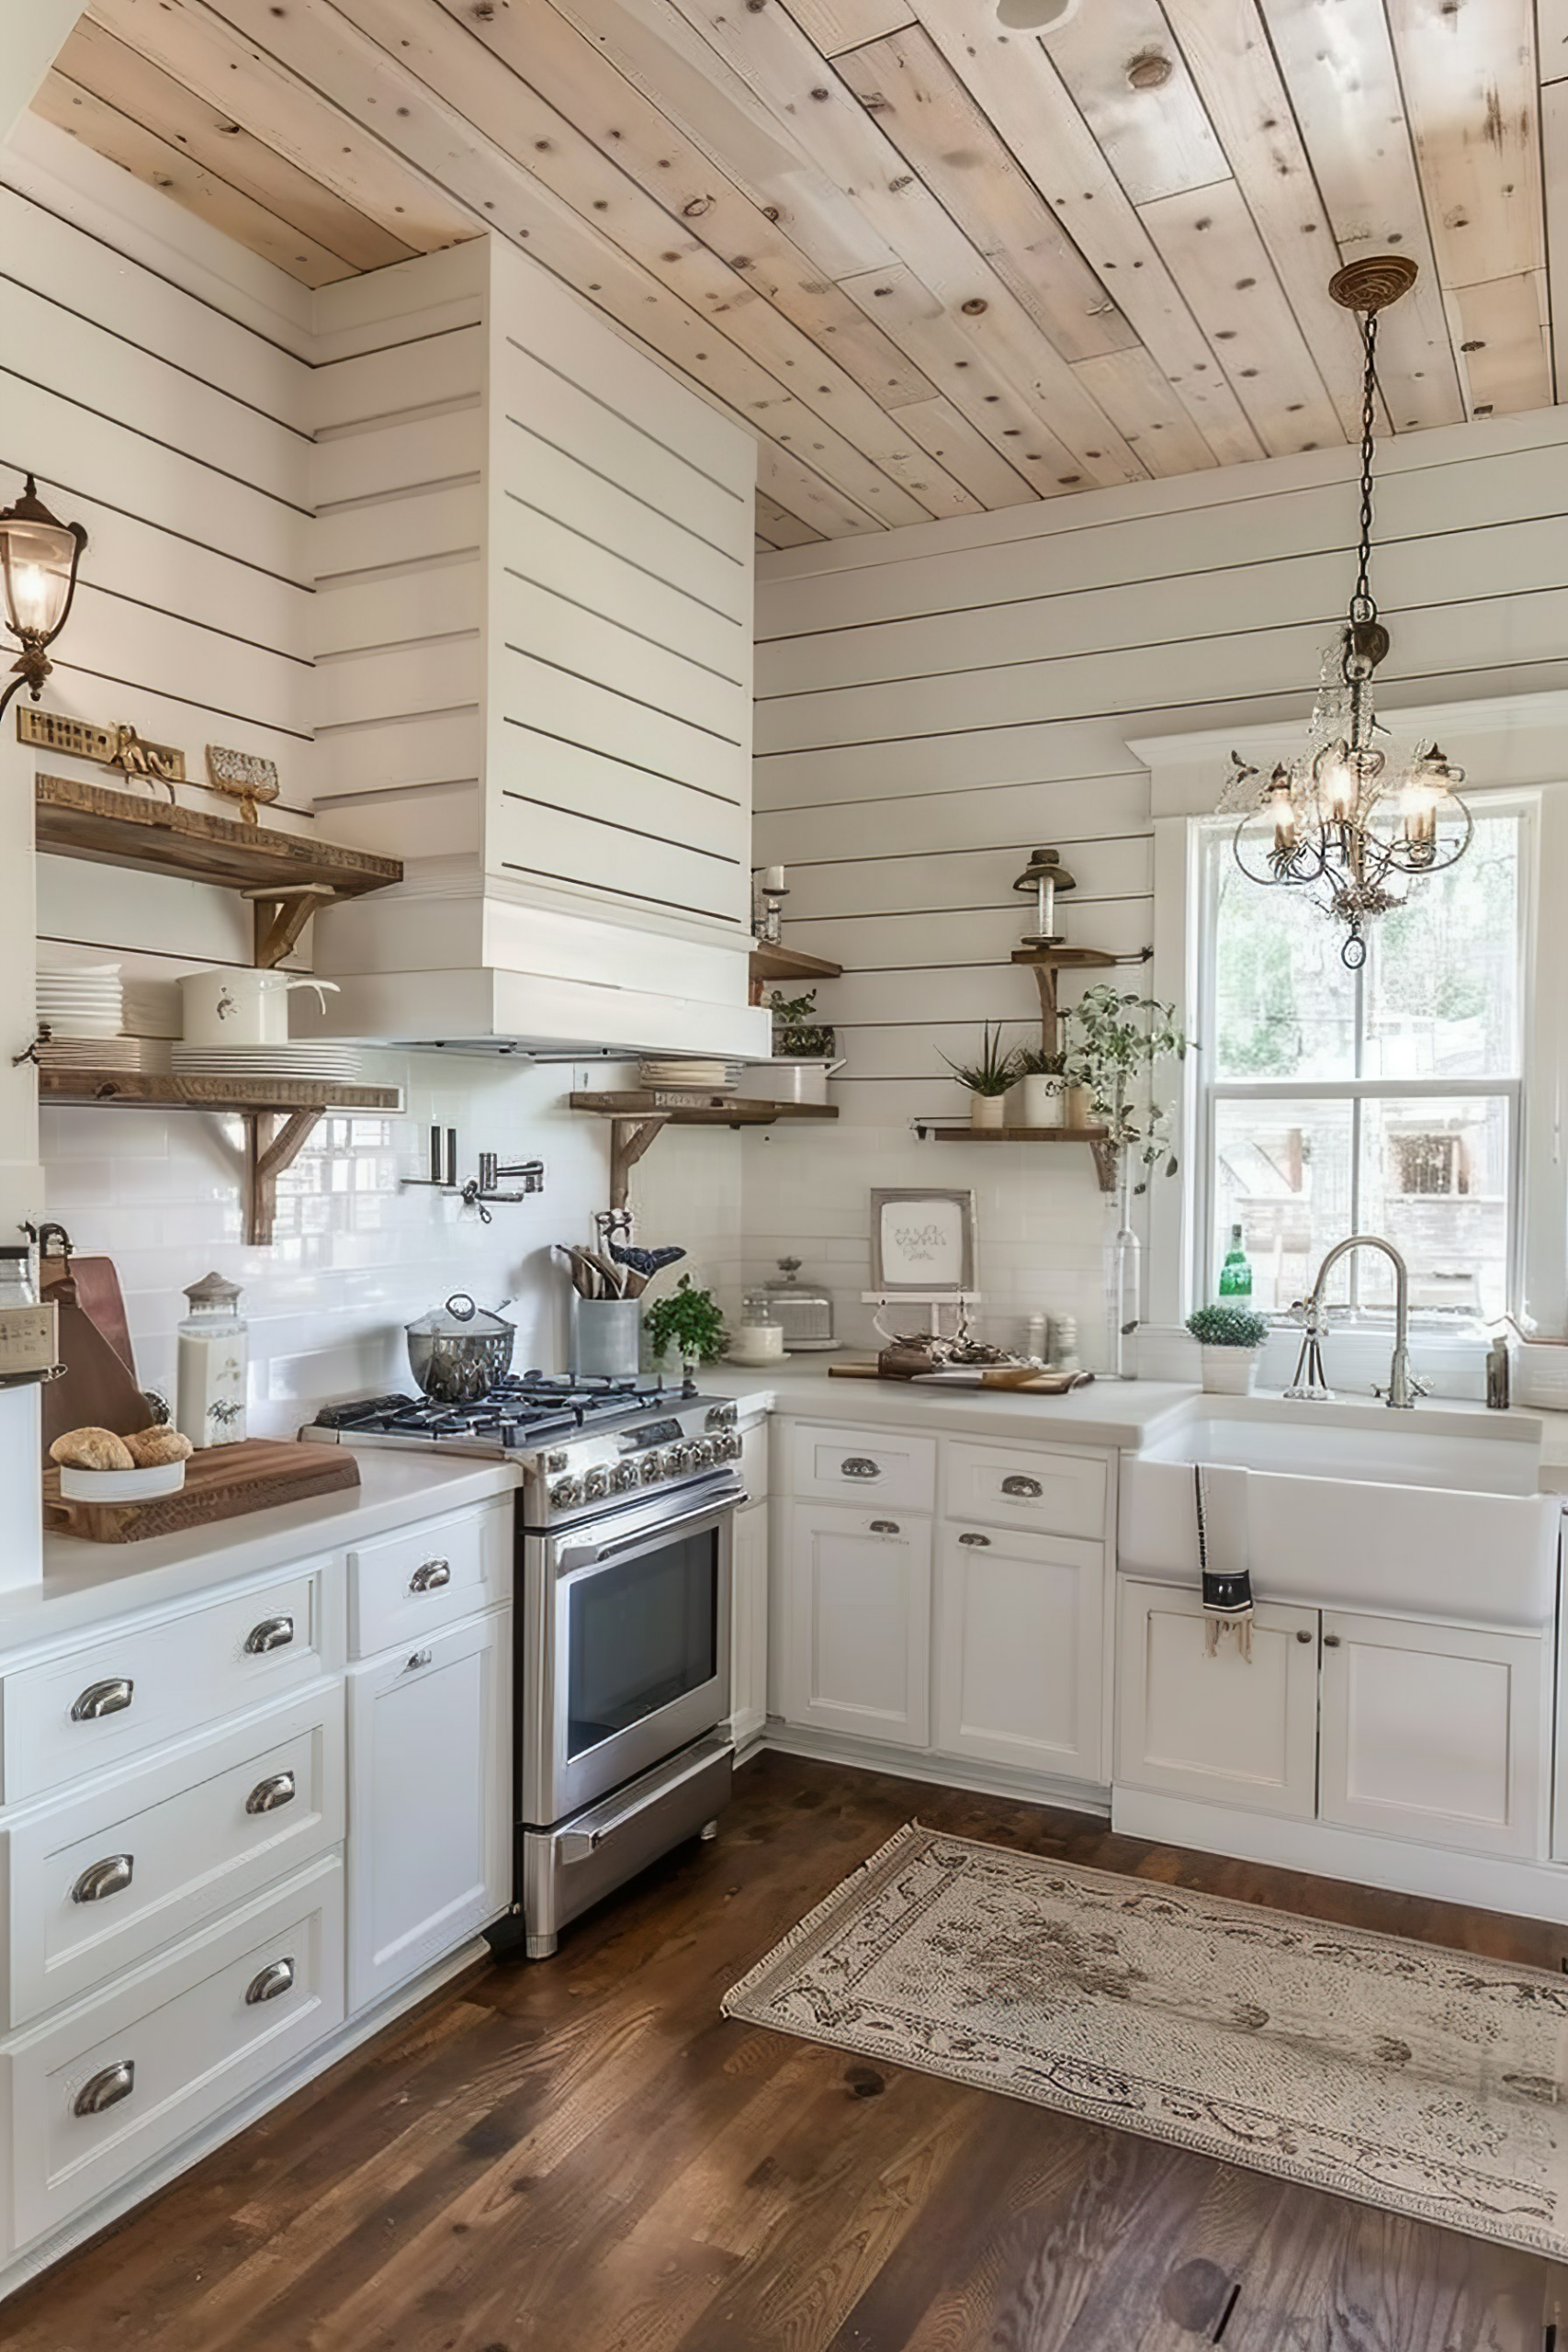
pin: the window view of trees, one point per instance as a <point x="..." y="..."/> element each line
<point x="1386" y="1099"/>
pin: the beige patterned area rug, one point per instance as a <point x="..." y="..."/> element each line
<point x="1405" y="2075"/>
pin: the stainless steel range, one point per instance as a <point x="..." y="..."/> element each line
<point x="623" y="1604"/>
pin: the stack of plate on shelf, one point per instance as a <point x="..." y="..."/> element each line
<point x="317" y="1065"/>
<point x="692" y="1077"/>
<point x="82" y="1006"/>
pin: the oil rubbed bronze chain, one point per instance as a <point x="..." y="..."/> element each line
<point x="1363" y="604"/>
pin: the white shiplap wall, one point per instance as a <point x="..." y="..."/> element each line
<point x="162" y="384"/>
<point x="933" y="702"/>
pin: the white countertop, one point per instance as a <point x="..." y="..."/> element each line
<point x="84" y="1583"/>
<point x="1108" y="1412"/>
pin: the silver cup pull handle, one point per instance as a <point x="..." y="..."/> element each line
<point x="419" y="1658"/>
<point x="272" y="1633"/>
<point x="431" y="1577"/>
<point x="100" y="1699"/>
<point x="269" y="1795"/>
<point x="860" y="1466"/>
<point x="106" y="2088"/>
<point x="100" y="1880"/>
<point x="982" y="1542"/>
<point x="1029" y="1489"/>
<point x="271" y="1983"/>
<point x="885" y="1527"/>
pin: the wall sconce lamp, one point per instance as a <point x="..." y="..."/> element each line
<point x="1047" y="877"/>
<point x="39" y="556"/>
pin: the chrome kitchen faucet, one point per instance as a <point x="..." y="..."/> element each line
<point x="1310" y="1383"/>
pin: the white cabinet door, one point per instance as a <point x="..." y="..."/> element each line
<point x="1222" y="1728"/>
<point x="1021" y="1651"/>
<point x="429" y="1801"/>
<point x="857" y="1623"/>
<point x="1437" y="1733"/>
<point x="748" y="1626"/>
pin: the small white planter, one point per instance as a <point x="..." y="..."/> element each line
<point x="1038" y="1101"/>
<point x="1227" y="1372"/>
<point x="988" y="1110"/>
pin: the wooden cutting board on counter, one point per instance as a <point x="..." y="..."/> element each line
<point x="221" y="1482"/>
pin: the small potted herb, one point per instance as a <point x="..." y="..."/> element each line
<point x="1229" y="1338"/>
<point x="804" y="1054"/>
<point x="988" y="1079"/>
<point x="1040" y="1100"/>
<point x="690" y="1322"/>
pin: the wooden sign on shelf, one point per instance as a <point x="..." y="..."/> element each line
<point x="111" y="747"/>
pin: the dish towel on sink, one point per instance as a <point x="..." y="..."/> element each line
<point x="1223" y="1557"/>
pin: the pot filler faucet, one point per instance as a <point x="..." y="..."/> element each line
<point x="1309" y="1384"/>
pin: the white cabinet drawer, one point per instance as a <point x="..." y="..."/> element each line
<point x="1021" y="1486"/>
<point x="104" y="2088"/>
<point x="153" y="1679"/>
<point x="404" y="1586"/>
<point x="100" y="1880"/>
<point x="862" y="1466"/>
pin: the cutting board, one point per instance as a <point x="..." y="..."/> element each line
<point x="222" y="1482"/>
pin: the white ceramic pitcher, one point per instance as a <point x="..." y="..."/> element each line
<point x="242" y="1008"/>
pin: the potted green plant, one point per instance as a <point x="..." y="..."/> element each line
<point x="689" y="1321"/>
<point x="988" y="1078"/>
<point x="1229" y="1338"/>
<point x="804" y="1054"/>
<point x="1040" y="1096"/>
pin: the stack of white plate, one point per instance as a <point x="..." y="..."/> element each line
<point x="94" y="1053"/>
<point x="80" y="1000"/>
<point x="696" y="1077"/>
<point x="320" y="1065"/>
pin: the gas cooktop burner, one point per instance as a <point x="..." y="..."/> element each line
<point x="527" y="1409"/>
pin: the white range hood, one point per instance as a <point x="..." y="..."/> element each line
<point x="486" y="967"/>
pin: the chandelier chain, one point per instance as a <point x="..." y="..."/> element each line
<point x="1363" y="604"/>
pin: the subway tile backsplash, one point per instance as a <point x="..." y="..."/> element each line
<point x="355" y="1257"/>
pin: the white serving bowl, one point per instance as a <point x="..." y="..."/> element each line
<point x="121" y="1485"/>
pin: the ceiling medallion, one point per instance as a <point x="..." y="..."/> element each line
<point x="1341" y="819"/>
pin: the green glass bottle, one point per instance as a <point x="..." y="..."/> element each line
<point x="1236" y="1274"/>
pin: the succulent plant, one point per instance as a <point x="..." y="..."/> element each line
<point x="1227" y="1327"/>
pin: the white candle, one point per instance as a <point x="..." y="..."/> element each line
<point x="773" y="877"/>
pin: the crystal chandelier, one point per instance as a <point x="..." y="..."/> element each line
<point x="1341" y="819"/>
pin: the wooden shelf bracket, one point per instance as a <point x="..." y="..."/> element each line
<point x="629" y="1138"/>
<point x="274" y="1140"/>
<point x="280" y="917"/>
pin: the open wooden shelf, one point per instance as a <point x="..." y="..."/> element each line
<point x="639" y="1117"/>
<point x="288" y="874"/>
<point x="1097" y="1138"/>
<point x="280" y="1115"/>
<point x="1046" y="963"/>
<point x="157" y="1091"/>
<point x="768" y="962"/>
<point x="716" y="1111"/>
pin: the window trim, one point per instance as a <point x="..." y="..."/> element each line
<point x="1210" y="839"/>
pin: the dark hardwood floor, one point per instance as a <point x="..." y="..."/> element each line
<point x="583" y="2157"/>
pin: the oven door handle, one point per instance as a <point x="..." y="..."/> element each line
<point x="575" y="1557"/>
<point x="581" y="1845"/>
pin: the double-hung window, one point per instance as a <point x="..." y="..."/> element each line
<point x="1386" y="1101"/>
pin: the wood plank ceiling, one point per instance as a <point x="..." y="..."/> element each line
<point x="936" y="266"/>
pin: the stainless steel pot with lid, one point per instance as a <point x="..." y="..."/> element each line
<point x="459" y="1350"/>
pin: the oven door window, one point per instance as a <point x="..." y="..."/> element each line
<point x="642" y="1633"/>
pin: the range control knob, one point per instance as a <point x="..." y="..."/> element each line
<point x="622" y="1477"/>
<point x="702" y="1453"/>
<point x="676" y="1459"/>
<point x="564" y="1494"/>
<point x="596" y="1485"/>
<point x="729" y="1446"/>
<point x="652" y="1468"/>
